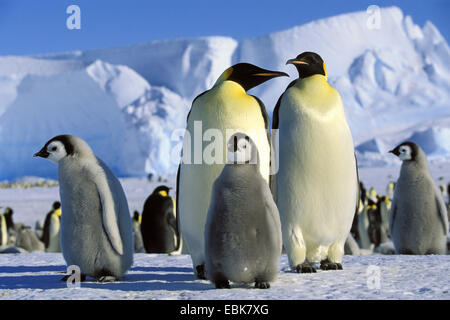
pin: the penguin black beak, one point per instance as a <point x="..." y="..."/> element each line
<point x="295" y="61"/>
<point x="395" y="152"/>
<point x="271" y="74"/>
<point x="42" y="153"/>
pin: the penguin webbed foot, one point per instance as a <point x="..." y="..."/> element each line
<point x="262" y="285"/>
<point x="305" y="267"/>
<point x="328" y="265"/>
<point x="222" y="284"/>
<point x="67" y="276"/>
<point x="106" y="279"/>
<point x="200" y="272"/>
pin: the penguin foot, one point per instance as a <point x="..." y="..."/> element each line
<point x="262" y="285"/>
<point x="328" y="265"/>
<point x="200" y="272"/>
<point x="305" y="267"/>
<point x="105" y="279"/>
<point x="222" y="284"/>
<point x="67" y="276"/>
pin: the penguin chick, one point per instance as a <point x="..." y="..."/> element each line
<point x="418" y="217"/>
<point x="242" y="231"/>
<point x="96" y="231"/>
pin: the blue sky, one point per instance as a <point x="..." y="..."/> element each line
<point x="39" y="26"/>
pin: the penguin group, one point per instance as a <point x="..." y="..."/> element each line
<point x="295" y="187"/>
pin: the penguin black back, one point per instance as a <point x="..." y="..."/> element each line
<point x="159" y="226"/>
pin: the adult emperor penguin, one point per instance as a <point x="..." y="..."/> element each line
<point x="243" y="231"/>
<point x="96" y="231"/>
<point x="316" y="187"/>
<point x="224" y="109"/>
<point x="418" y="218"/>
<point x="51" y="232"/>
<point x="159" y="226"/>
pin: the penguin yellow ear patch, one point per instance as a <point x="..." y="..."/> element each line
<point x="324" y="68"/>
<point x="163" y="193"/>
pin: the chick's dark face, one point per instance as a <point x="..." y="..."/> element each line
<point x="308" y="64"/>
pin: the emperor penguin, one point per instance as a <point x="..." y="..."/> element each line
<point x="418" y="217"/>
<point x="317" y="186"/>
<point x="3" y="231"/>
<point x="96" y="231"/>
<point x="159" y="226"/>
<point x="390" y="189"/>
<point x="219" y="112"/>
<point x="9" y="219"/>
<point x="385" y="206"/>
<point x="138" y="242"/>
<point x="51" y="232"/>
<point x="243" y="231"/>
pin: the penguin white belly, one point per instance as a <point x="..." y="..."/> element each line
<point x="317" y="181"/>
<point x="224" y="107"/>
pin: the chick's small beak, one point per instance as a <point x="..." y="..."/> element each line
<point x="295" y="61"/>
<point x="42" y="153"/>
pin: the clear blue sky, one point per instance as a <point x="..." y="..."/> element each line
<point x="39" y="26"/>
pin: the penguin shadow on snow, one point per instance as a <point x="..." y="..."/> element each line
<point x="154" y="278"/>
<point x="32" y="279"/>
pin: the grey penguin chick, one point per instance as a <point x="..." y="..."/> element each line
<point x="96" y="230"/>
<point x="418" y="217"/>
<point x="243" y="230"/>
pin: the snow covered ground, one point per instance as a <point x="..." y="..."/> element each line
<point x="37" y="276"/>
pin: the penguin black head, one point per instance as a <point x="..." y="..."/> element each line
<point x="249" y="75"/>
<point x="308" y="64"/>
<point x="162" y="191"/>
<point x="9" y="211"/>
<point x="136" y="215"/>
<point x="406" y="151"/>
<point x="241" y="149"/>
<point x="56" y="205"/>
<point x="57" y="148"/>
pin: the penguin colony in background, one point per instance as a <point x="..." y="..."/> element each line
<point x="233" y="213"/>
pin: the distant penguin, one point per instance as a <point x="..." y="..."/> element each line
<point x="384" y="204"/>
<point x="363" y="227"/>
<point x="317" y="185"/>
<point x="28" y="240"/>
<point x="159" y="224"/>
<point x="224" y="109"/>
<point x="390" y="189"/>
<point x="138" y="242"/>
<point x="51" y="232"/>
<point x="243" y="231"/>
<point x="9" y="219"/>
<point x="375" y="230"/>
<point x="39" y="229"/>
<point x="418" y="219"/>
<point x="96" y="230"/>
<point x="3" y="231"/>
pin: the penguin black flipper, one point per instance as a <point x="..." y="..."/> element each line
<point x="277" y="107"/>
<point x="177" y="211"/>
<point x="358" y="191"/>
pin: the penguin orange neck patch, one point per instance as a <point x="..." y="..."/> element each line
<point x="163" y="193"/>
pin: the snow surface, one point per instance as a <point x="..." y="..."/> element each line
<point x="158" y="276"/>
<point x="127" y="102"/>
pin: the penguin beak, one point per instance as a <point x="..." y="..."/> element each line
<point x="42" y="153"/>
<point x="395" y="152"/>
<point x="295" y="61"/>
<point x="271" y="74"/>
